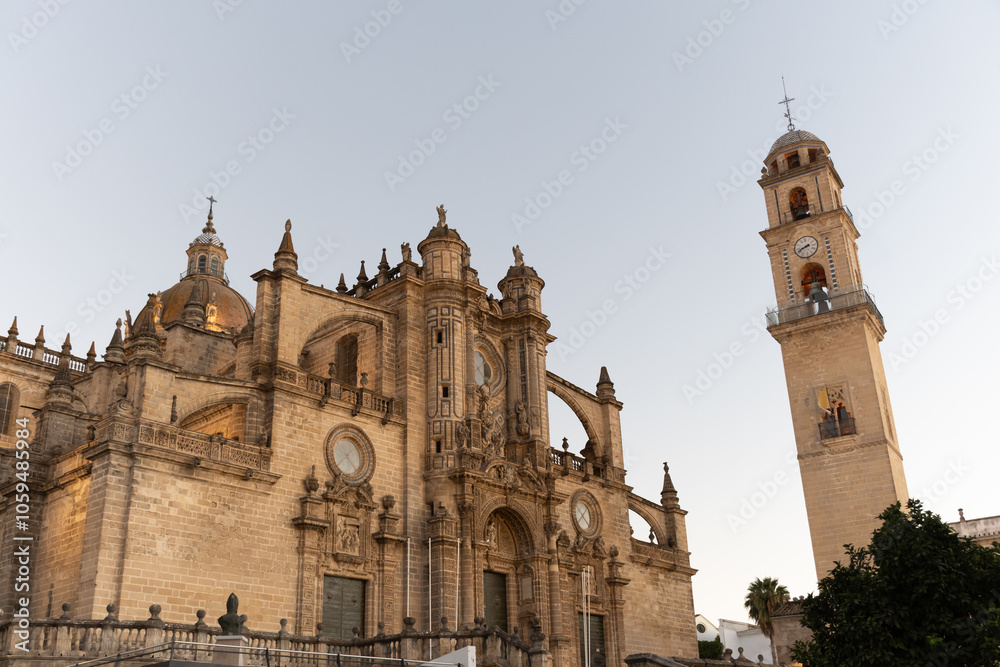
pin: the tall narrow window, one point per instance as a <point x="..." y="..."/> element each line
<point x="201" y="264"/>
<point x="215" y="266"/>
<point x="191" y="265"/>
<point x="10" y="399"/>
<point x="347" y="360"/>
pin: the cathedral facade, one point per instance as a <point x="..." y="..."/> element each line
<point x="344" y="458"/>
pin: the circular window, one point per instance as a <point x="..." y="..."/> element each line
<point x="585" y="514"/>
<point x="701" y="628"/>
<point x="350" y="454"/>
<point x="483" y="371"/>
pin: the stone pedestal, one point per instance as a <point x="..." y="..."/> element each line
<point x="229" y="650"/>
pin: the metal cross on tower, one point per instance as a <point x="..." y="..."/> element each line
<point x="788" y="108"/>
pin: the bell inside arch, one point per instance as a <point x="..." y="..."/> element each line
<point x="819" y="296"/>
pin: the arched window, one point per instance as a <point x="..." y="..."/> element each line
<point x="191" y="265"/>
<point x="799" y="203"/>
<point x="10" y="399"/>
<point x="347" y="359"/>
<point x="215" y="266"/>
<point x="201" y="264"/>
<point x="812" y="273"/>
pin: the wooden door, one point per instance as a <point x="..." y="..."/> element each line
<point x="495" y="599"/>
<point x="343" y="606"/>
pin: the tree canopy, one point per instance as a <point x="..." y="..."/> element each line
<point x="917" y="595"/>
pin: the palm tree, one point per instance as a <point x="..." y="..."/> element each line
<point x="764" y="596"/>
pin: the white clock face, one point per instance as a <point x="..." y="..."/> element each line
<point x="347" y="456"/>
<point x="806" y="246"/>
<point x="582" y="515"/>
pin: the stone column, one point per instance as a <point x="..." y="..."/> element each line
<point x="468" y="580"/>
<point x="555" y="598"/>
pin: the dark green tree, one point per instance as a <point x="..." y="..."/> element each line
<point x="764" y="596"/>
<point x="917" y="596"/>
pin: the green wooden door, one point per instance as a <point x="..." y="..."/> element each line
<point x="495" y="599"/>
<point x="598" y="653"/>
<point x="343" y="606"/>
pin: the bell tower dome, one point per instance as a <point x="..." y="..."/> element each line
<point x="829" y="330"/>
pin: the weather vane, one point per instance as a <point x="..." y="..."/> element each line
<point x="788" y="108"/>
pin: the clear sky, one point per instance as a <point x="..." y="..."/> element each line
<point x="605" y="138"/>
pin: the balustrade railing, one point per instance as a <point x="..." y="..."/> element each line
<point x="832" y="302"/>
<point x="92" y="642"/>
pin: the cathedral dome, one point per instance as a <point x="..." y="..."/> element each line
<point x="793" y="137"/>
<point x="205" y="287"/>
<point x="225" y="309"/>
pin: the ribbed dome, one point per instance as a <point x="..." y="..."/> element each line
<point x="793" y="137"/>
<point x="231" y="311"/>
<point x="208" y="235"/>
<point x="210" y="238"/>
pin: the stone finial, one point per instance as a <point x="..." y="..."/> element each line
<point x="154" y="615"/>
<point x="444" y="624"/>
<point x="115" y="352"/>
<point x="409" y="625"/>
<point x="66" y="346"/>
<point x="668" y="495"/>
<point x="342" y="285"/>
<point x="13" y="328"/>
<point x="311" y="482"/>
<point x="605" y="387"/>
<point x="91" y="354"/>
<point x="200" y="623"/>
<point x="231" y="621"/>
<point x="383" y="265"/>
<point x="40" y="338"/>
<point x="112" y="610"/>
<point x="362" y="276"/>
<point x="194" y="309"/>
<point x="286" y="258"/>
<point x="283" y="632"/>
<point x="537" y="637"/>
<point x="65" y="612"/>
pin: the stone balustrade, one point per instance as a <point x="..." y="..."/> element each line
<point x="66" y="641"/>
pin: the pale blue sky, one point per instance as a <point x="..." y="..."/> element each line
<point x="199" y="81"/>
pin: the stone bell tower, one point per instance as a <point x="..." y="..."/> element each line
<point x="829" y="330"/>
